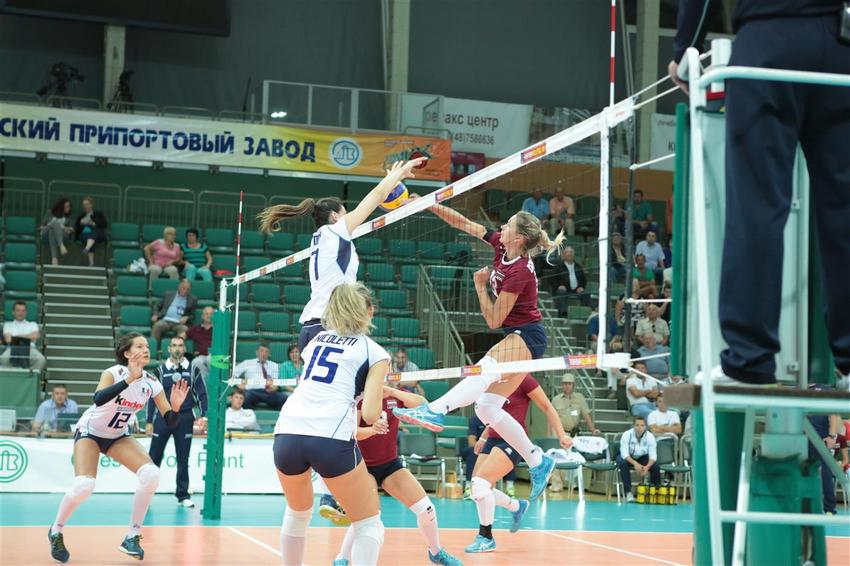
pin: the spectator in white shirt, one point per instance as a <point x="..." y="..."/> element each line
<point x="401" y="363"/>
<point x="237" y="418"/>
<point x="257" y="371"/>
<point x="662" y="422"/>
<point x="20" y="327"/>
<point x="638" y="451"/>
<point x="654" y="324"/>
<point x="641" y="392"/>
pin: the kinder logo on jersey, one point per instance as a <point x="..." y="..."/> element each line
<point x="533" y="153"/>
<point x="122" y="402"/>
<point x="379" y="223"/>
<point x="445" y="194"/>
<point x="345" y="153"/>
<point x="471" y="370"/>
<point x="13" y="461"/>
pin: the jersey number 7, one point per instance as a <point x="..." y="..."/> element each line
<point x="320" y="358"/>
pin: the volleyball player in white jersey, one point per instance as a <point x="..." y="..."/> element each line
<point x="124" y="389"/>
<point x="333" y="259"/>
<point x="317" y="424"/>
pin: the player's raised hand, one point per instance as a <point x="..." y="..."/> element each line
<point x="178" y="394"/>
<point x="136" y="364"/>
<point x="482" y="276"/>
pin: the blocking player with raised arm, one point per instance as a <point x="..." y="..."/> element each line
<point x="124" y="389"/>
<point x="317" y="425"/>
<point x="514" y="287"/>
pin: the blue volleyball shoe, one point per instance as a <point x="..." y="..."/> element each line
<point x="519" y="514"/>
<point x="131" y="547"/>
<point x="421" y="416"/>
<point x="540" y="476"/>
<point x="340" y="562"/>
<point x="444" y="558"/>
<point x="481" y="544"/>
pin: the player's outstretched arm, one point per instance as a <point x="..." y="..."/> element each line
<point x="457" y="220"/>
<point x="410" y="400"/>
<point x="395" y="175"/>
<point x="373" y="394"/>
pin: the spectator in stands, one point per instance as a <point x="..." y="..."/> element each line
<point x="401" y="363"/>
<point x="197" y="259"/>
<point x="164" y="255"/>
<point x="654" y="254"/>
<point x="643" y="279"/>
<point x="562" y="209"/>
<point x="468" y="453"/>
<point x="572" y="408"/>
<point x="642" y="217"/>
<point x="238" y="418"/>
<point x="664" y="308"/>
<point x="638" y="451"/>
<point x="56" y="228"/>
<point x="90" y="228"/>
<point x="641" y="391"/>
<point x="201" y="335"/>
<point x="568" y="280"/>
<point x="659" y="368"/>
<point x="14" y="332"/>
<point x="662" y="422"/>
<point x="294" y="366"/>
<point x="652" y="323"/>
<point x="674" y="380"/>
<point x="593" y="328"/>
<point x="174" y="311"/>
<point x="617" y="259"/>
<point x="537" y="206"/>
<point x="47" y="415"/>
<point x="257" y="371"/>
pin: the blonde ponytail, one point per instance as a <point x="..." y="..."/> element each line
<point x="270" y="217"/>
<point x="536" y="238"/>
<point x="347" y="313"/>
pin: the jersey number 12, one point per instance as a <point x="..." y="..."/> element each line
<point x="320" y="358"/>
<point x="119" y="420"/>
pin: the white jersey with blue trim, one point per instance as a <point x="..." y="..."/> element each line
<point x="333" y="261"/>
<point x="324" y="403"/>
<point x="110" y="419"/>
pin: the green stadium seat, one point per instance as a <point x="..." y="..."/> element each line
<point x="380" y="333"/>
<point x="403" y="251"/>
<point x="20" y="229"/>
<point x="380" y="275"/>
<point x="406" y="332"/>
<point x="422" y="357"/>
<point x="455" y="248"/>
<point x="131" y="290"/>
<point x="266" y="296"/>
<point x="246" y="327"/>
<point x="295" y="297"/>
<point x="21" y="284"/>
<point x="225" y="262"/>
<point x="281" y="244"/>
<point x="243" y="296"/>
<point x="277" y="352"/>
<point x="409" y="276"/>
<point x="292" y="274"/>
<point x="122" y="258"/>
<point x="443" y="277"/>
<point x="181" y="238"/>
<point x="253" y="242"/>
<point x="361" y="272"/>
<point x="431" y="252"/>
<point x="456" y="427"/>
<point x="154" y="349"/>
<point x="296" y="326"/>
<point x="220" y="240"/>
<point x="370" y="249"/>
<point x="124" y="235"/>
<point x="204" y="291"/>
<point x="252" y="262"/>
<point x="275" y="326"/>
<point x="20" y="256"/>
<point x="134" y="318"/>
<point x="393" y="303"/>
<point x="579" y="315"/>
<point x="246" y="350"/>
<point x="160" y="286"/>
<point x="32" y="310"/>
<point x="266" y="419"/>
<point x="302" y="241"/>
<point x="434" y="389"/>
<point x="151" y="232"/>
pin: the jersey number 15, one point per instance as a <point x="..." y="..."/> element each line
<point x="320" y="359"/>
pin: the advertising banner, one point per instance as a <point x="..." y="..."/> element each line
<point x="208" y="142"/>
<point x="30" y="464"/>
<point x="662" y="140"/>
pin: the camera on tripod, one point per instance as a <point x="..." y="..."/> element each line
<point x="61" y="76"/>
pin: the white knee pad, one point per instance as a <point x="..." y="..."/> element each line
<point x="481" y="488"/>
<point x="148" y="478"/>
<point x="489" y="377"/>
<point x="489" y="408"/>
<point x="371" y="527"/>
<point x="295" y="523"/>
<point x="82" y="487"/>
<point x="425" y="506"/>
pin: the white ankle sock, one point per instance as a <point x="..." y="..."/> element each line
<point x="502" y="500"/>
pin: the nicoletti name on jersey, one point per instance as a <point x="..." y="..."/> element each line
<point x="338" y="340"/>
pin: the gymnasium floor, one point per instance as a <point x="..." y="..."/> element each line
<point x="554" y="532"/>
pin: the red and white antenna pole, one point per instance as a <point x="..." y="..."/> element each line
<point x="236" y="278"/>
<point x="613" y="52"/>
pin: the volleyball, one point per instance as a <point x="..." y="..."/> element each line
<point x="397" y="197"/>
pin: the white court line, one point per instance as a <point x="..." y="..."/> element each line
<point x="258" y="542"/>
<point x="614" y="548"/>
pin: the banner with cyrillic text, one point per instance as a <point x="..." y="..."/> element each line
<point x="30" y="464"/>
<point x="208" y="142"/>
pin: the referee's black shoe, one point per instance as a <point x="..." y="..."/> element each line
<point x="131" y="547"/>
<point x="57" y="547"/>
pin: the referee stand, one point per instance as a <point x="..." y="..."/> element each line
<point x="764" y="509"/>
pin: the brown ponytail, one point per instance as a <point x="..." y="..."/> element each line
<point x="320" y="210"/>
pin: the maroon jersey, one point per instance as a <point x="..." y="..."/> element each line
<point x="517" y="405"/>
<point x="382" y="448"/>
<point x="515" y="276"/>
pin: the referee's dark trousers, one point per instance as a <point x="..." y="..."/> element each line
<point x="764" y="122"/>
<point x="182" y="445"/>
